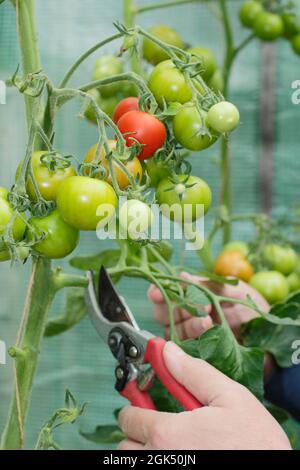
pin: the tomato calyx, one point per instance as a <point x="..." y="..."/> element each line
<point x="53" y="161"/>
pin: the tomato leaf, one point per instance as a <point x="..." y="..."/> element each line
<point x="164" y="249"/>
<point x="104" y="434"/>
<point x="75" y="310"/>
<point x="195" y="296"/>
<point x="162" y="399"/>
<point x="107" y="258"/>
<point x="285" y="313"/>
<point x="273" y="338"/>
<point x="219" y="347"/>
<point x="182" y="302"/>
<point x="219" y="279"/>
<point x="290" y="426"/>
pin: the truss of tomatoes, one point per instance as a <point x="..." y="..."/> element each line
<point x="88" y="203"/>
<point x="270" y="22"/>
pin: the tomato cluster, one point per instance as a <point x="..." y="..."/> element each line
<point x="270" y="22"/>
<point x="147" y="150"/>
<point x="280" y="277"/>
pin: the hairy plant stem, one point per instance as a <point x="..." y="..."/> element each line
<point x="40" y="293"/>
<point x="27" y="34"/>
<point x="39" y="298"/>
<point x="129" y="14"/>
<point x="231" y="53"/>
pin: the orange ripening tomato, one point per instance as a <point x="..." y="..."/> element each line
<point x="234" y="264"/>
<point x="133" y="166"/>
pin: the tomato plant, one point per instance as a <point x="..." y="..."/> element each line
<point x="268" y="26"/>
<point x="239" y="246"/>
<point x="51" y="200"/>
<point x="135" y="218"/>
<point x="233" y="263"/>
<point x="280" y="258"/>
<point x="167" y="83"/>
<point x="190" y="129"/>
<point x="157" y="171"/>
<point x="272" y="285"/>
<point x="208" y="59"/>
<point x="86" y="203"/>
<point x="47" y="180"/>
<point x="155" y="54"/>
<point x="106" y="67"/>
<point x="58" y="239"/>
<point x="133" y="166"/>
<point x="190" y="198"/>
<point x="7" y="217"/>
<point x="145" y="129"/>
<point x="249" y="11"/>
<point x="128" y="104"/>
<point x="223" y="117"/>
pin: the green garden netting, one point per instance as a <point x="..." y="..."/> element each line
<point x="77" y="359"/>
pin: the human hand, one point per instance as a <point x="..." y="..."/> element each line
<point x="192" y="327"/>
<point x="232" y="418"/>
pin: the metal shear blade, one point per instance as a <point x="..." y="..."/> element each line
<point x="112" y="306"/>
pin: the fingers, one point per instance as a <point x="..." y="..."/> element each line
<point x="191" y="328"/>
<point x="127" y="444"/>
<point x="207" y="384"/>
<point x="138" y="423"/>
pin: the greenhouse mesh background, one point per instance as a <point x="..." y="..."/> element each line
<point x="77" y="359"/>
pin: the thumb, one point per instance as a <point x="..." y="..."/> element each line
<point x="205" y="382"/>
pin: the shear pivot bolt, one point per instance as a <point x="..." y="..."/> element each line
<point x="133" y="352"/>
<point x="119" y="373"/>
<point x="112" y="341"/>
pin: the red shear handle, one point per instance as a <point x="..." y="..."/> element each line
<point x="154" y="356"/>
<point x="137" y="397"/>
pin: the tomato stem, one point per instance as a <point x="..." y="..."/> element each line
<point x="129" y="15"/>
<point x="84" y="56"/>
<point x="166" y="4"/>
<point x="26" y="352"/>
<point x="25" y="13"/>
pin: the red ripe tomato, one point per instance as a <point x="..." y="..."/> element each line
<point x="126" y="105"/>
<point x="144" y="128"/>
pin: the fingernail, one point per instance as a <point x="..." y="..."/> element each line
<point x="172" y="350"/>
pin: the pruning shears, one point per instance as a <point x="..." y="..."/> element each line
<point x="132" y="347"/>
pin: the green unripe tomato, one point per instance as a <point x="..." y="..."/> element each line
<point x="291" y="26"/>
<point x="239" y="246"/>
<point x="135" y="218"/>
<point x="191" y="129"/>
<point x="105" y="67"/>
<point x="86" y="203"/>
<point x="272" y="285"/>
<point x="268" y="26"/>
<point x="167" y="83"/>
<point x="295" y="42"/>
<point x="209" y="60"/>
<point x="157" y="171"/>
<point x="22" y="253"/>
<point x="249" y="11"/>
<point x="293" y="280"/>
<point x="107" y="105"/>
<point x="3" y="192"/>
<point x="47" y="181"/>
<point x="60" y="239"/>
<point x="6" y="215"/>
<point x="223" y="117"/>
<point x="186" y="195"/>
<point x="279" y="258"/>
<point x="152" y="52"/>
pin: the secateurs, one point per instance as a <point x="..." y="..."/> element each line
<point x="131" y="347"/>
